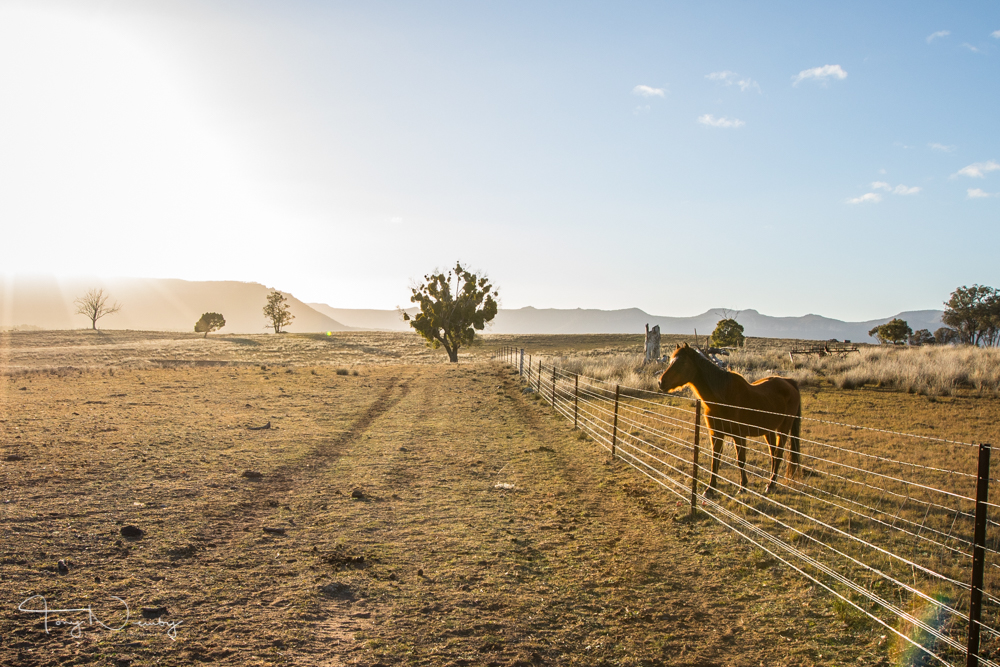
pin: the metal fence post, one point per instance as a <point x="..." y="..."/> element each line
<point x="553" y="385"/>
<point x="614" y="429"/>
<point x="694" y="459"/>
<point x="978" y="556"/>
<point x="576" y="398"/>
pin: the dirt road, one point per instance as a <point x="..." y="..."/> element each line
<point x="426" y="514"/>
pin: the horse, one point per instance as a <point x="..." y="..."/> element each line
<point x="734" y="407"/>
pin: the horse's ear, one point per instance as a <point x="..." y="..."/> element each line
<point x="685" y="345"/>
<point x="679" y="346"/>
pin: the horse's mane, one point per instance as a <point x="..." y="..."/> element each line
<point x="716" y="378"/>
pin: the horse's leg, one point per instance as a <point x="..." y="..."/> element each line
<point x="776" y="445"/>
<point x="717" y="440"/>
<point x="741" y="458"/>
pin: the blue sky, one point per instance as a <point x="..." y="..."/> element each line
<point x="838" y="158"/>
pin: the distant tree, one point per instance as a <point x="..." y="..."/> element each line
<point x="728" y="333"/>
<point x="922" y="337"/>
<point x="974" y="312"/>
<point x="449" y="317"/>
<point x="896" y="331"/>
<point x="94" y="305"/>
<point x="945" y="335"/>
<point x="276" y="311"/>
<point x="209" y="322"/>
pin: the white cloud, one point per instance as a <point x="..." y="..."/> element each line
<point x="939" y="33"/>
<point x="870" y="197"/>
<point x="995" y="34"/>
<point x="730" y="79"/>
<point x="971" y="47"/>
<point x="641" y="109"/>
<point x="976" y="193"/>
<point x="709" y="119"/>
<point x="903" y="190"/>
<point x="821" y="73"/>
<point x="725" y="76"/>
<point x="978" y="169"/>
<point x="649" y="91"/>
<point x="942" y="147"/>
<point x="881" y="185"/>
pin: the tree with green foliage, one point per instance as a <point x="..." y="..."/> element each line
<point x="209" y="322"/>
<point x="922" y="337"/>
<point x="453" y="307"/>
<point x="974" y="312"/>
<point x="277" y="312"/>
<point x="945" y="335"/>
<point x="896" y="332"/>
<point x="728" y="333"/>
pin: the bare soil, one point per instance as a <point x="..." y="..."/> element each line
<point x="421" y="513"/>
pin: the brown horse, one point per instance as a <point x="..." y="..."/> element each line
<point x="770" y="407"/>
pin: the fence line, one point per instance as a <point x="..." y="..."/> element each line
<point x="880" y="523"/>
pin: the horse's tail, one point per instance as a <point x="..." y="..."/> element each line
<point x="793" y="459"/>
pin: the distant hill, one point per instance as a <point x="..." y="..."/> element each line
<point x="149" y="304"/>
<point x="530" y="320"/>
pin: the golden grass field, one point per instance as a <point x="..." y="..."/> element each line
<point x="486" y="532"/>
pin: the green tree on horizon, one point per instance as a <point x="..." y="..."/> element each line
<point x="209" y="322"/>
<point x="276" y="312"/>
<point x="448" y="317"/>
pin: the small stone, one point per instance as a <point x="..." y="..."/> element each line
<point x="252" y="474"/>
<point x="97" y="580"/>
<point x="357" y="494"/>
<point x="132" y="532"/>
<point x="274" y="531"/>
<point x="62" y="567"/>
<point x="420" y="572"/>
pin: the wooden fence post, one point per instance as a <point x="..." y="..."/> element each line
<point x="694" y="468"/>
<point x="520" y="368"/>
<point x="614" y="429"/>
<point x="978" y="556"/>
<point x="553" y="385"/>
<point x="576" y="398"/>
<point x="539" y="378"/>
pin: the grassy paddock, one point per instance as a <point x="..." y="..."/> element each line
<point x="928" y="371"/>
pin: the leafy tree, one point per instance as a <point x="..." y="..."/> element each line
<point x="974" y="312"/>
<point x="896" y="331"/>
<point x="276" y="311"/>
<point x="209" y="322"/>
<point x="922" y="337"/>
<point x="728" y="333"/>
<point x="945" y="335"/>
<point x="449" y="317"/>
<point x="94" y="305"/>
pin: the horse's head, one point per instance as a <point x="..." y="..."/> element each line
<point x="681" y="369"/>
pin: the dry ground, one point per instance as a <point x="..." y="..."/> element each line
<point x="486" y="532"/>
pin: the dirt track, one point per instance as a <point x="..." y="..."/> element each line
<point x="570" y="560"/>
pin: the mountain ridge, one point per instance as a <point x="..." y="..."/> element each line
<point x="531" y="320"/>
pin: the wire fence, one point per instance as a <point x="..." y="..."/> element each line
<point x="894" y="525"/>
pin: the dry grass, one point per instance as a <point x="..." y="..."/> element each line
<point x="568" y="561"/>
<point x="928" y="371"/>
<point x="580" y="562"/>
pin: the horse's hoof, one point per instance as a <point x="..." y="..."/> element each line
<point x="767" y="489"/>
<point x="710" y="493"/>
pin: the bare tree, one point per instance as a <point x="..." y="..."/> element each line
<point x="94" y="305"/>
